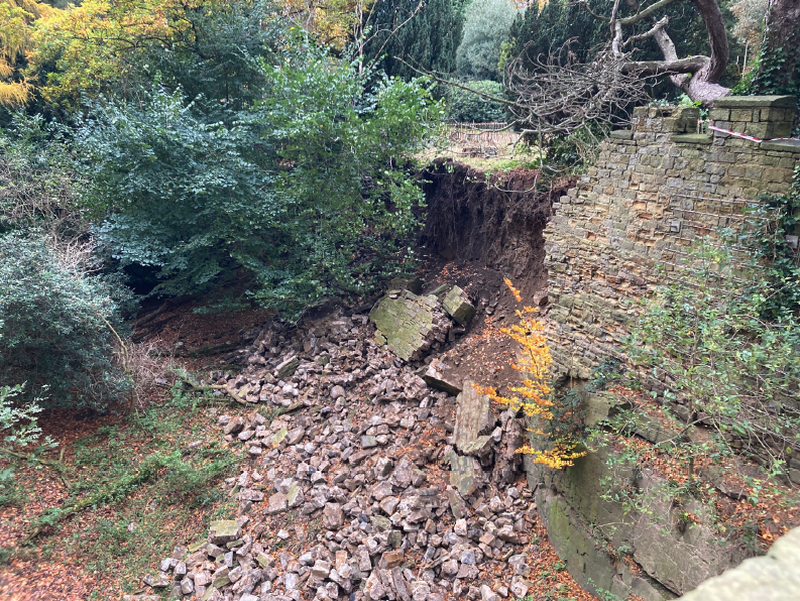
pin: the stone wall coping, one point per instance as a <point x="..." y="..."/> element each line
<point x="622" y="134"/>
<point x="740" y="102"/>
<point x="784" y="145"/>
<point x="692" y="138"/>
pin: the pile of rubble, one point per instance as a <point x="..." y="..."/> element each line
<point x="363" y="482"/>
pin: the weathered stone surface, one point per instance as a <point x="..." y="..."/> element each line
<point x="774" y="577"/>
<point x="436" y="377"/>
<point x="287" y="367"/>
<point x="466" y="474"/>
<point x="473" y="417"/>
<point x="222" y="532"/>
<point x="409" y="324"/>
<point x="458" y="306"/>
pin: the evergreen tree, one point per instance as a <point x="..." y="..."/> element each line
<point x="486" y="28"/>
<point x="424" y="34"/>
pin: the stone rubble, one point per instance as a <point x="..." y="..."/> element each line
<point x="348" y="491"/>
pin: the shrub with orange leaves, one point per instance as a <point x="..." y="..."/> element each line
<point x="534" y="395"/>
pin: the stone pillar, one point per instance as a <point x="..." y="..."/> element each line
<point x="763" y="117"/>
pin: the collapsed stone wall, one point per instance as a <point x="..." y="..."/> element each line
<point x="496" y="221"/>
<point x="652" y="192"/>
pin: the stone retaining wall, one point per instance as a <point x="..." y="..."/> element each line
<point x="625" y="227"/>
<point x="653" y="190"/>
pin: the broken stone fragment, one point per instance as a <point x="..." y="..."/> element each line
<point x="278" y="503"/>
<point x="473" y="417"/>
<point x="435" y="377"/>
<point x="487" y="594"/>
<point x="287" y="368"/>
<point x="334" y="516"/>
<point x="465" y="474"/>
<point x="278" y="437"/>
<point x="458" y="306"/>
<point x="234" y="426"/>
<point x="456" y="506"/>
<point x="160" y="580"/>
<point x="187" y="586"/>
<point x="321" y="569"/>
<point x="221" y="532"/>
<point x="251" y="495"/>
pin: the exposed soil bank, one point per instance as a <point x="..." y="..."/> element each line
<point x="493" y="221"/>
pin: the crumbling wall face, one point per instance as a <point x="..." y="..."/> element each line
<point x="653" y="190"/>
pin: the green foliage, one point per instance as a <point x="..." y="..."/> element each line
<point x="219" y="59"/>
<point x="37" y="182"/>
<point x="780" y="217"/>
<point x="18" y="424"/>
<point x="300" y="193"/>
<point x="487" y="25"/>
<point x="466" y="107"/>
<point x="427" y="41"/>
<point x="55" y="329"/>
<point x="722" y="336"/>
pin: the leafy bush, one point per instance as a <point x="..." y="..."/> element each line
<point x="55" y="326"/>
<point x="465" y="107"/>
<point x="37" y="182"/>
<point x="300" y="192"/>
<point x="722" y="350"/>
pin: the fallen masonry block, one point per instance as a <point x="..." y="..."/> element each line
<point x="409" y="324"/>
<point x="458" y="306"/>
<point x="435" y="377"/>
<point x="473" y="418"/>
<point x="223" y="532"/>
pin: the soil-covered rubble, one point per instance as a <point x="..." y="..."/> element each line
<point x="348" y="491"/>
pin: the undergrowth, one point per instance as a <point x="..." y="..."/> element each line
<point x="137" y="487"/>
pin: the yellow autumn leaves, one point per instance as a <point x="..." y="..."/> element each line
<point x="79" y="51"/>
<point x="534" y="395"/>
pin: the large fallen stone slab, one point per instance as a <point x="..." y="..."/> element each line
<point x="457" y="305"/>
<point x="409" y="324"/>
<point x="473" y="419"/>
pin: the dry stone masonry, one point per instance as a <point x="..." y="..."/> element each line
<point x="652" y="192"/>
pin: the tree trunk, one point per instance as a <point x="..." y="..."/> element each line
<point x="779" y="67"/>
<point x="703" y="83"/>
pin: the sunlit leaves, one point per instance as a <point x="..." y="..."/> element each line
<point x="534" y="396"/>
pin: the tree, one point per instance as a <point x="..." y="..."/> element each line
<point x="397" y="33"/>
<point x="103" y="47"/>
<point x="779" y="63"/>
<point x="486" y="28"/>
<point x="698" y="76"/>
<point x="299" y="194"/>
<point x="16" y="25"/>
<point x="56" y="327"/>
<point x="749" y="28"/>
